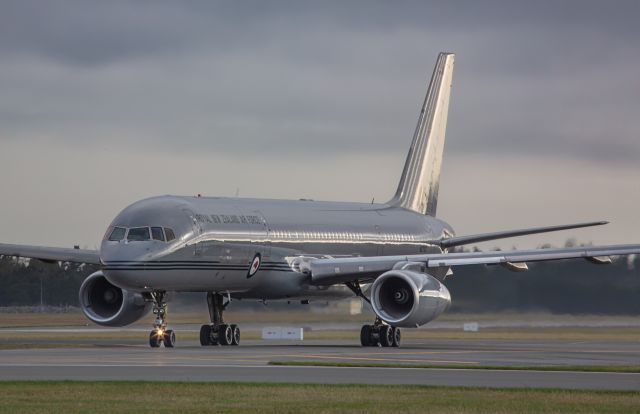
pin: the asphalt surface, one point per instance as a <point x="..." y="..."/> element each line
<point x="249" y="362"/>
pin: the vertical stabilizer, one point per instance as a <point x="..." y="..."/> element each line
<point x="418" y="188"/>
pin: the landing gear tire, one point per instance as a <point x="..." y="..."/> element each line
<point x="169" y="338"/>
<point x="235" y="335"/>
<point x="386" y="335"/>
<point x="154" y="339"/>
<point x="218" y="332"/>
<point x="225" y="334"/>
<point x="380" y="335"/>
<point x="160" y="335"/>
<point x="205" y="335"/>
<point x="365" y="335"/>
<point x="397" y="337"/>
<point x="214" y="336"/>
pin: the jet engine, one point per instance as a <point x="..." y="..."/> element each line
<point x="406" y="298"/>
<point x="108" y="305"/>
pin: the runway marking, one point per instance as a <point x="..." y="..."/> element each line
<point x="411" y="353"/>
<point x="373" y="359"/>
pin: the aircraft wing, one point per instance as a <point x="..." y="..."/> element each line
<point x="477" y="238"/>
<point x="51" y="254"/>
<point x="340" y="270"/>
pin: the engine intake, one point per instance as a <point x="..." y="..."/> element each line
<point x="407" y="298"/>
<point x="108" y="305"/>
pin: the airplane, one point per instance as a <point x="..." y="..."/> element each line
<point x="395" y="255"/>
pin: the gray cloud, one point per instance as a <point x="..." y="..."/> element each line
<point x="535" y="77"/>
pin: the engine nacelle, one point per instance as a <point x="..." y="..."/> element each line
<point x="407" y="298"/>
<point x="108" y="305"/>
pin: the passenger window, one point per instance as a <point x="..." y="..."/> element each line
<point x="138" y="234"/>
<point x="169" y="234"/>
<point x="117" y="234"/>
<point x="157" y="234"/>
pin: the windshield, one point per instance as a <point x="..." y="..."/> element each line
<point x="162" y="234"/>
<point x="157" y="234"/>
<point x="138" y="234"/>
<point x="117" y="234"/>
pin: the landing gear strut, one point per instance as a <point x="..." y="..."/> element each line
<point x="160" y="335"/>
<point x="218" y="332"/>
<point x="378" y="334"/>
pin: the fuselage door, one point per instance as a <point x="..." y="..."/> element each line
<point x="196" y="228"/>
<point x="263" y="233"/>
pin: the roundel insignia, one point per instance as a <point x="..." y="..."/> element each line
<point x="255" y="265"/>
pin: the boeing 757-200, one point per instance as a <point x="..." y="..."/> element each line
<point x="394" y="255"/>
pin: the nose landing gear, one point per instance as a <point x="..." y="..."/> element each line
<point x="218" y="332"/>
<point x="160" y="334"/>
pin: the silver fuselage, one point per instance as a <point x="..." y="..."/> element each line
<point x="217" y="238"/>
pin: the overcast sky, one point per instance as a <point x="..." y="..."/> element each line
<point x="104" y="103"/>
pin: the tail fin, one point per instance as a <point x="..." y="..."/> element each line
<point x="418" y="188"/>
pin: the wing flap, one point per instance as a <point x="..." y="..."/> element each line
<point x="60" y="254"/>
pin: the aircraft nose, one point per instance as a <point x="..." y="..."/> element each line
<point x="127" y="251"/>
<point x="124" y="263"/>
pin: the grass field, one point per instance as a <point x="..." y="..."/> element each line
<point x="198" y="397"/>
<point x="50" y="339"/>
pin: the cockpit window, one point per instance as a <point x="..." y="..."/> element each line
<point x="157" y="234"/>
<point x="138" y="234"/>
<point x="117" y="234"/>
<point x="169" y="233"/>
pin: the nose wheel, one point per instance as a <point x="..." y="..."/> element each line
<point x="218" y="332"/>
<point x="160" y="335"/>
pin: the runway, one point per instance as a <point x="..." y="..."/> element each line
<point x="249" y="362"/>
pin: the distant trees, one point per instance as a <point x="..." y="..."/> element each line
<point x="566" y="286"/>
<point x="24" y="281"/>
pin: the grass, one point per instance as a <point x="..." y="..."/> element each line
<point x="196" y="397"/>
<point x="578" y="368"/>
<point x="14" y="340"/>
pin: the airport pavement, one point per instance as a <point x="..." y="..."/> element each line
<point x="249" y="362"/>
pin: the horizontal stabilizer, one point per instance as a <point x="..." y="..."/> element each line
<point x="477" y="238"/>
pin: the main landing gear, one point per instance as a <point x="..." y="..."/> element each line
<point x="378" y="334"/>
<point x="160" y="334"/>
<point x="218" y="332"/>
